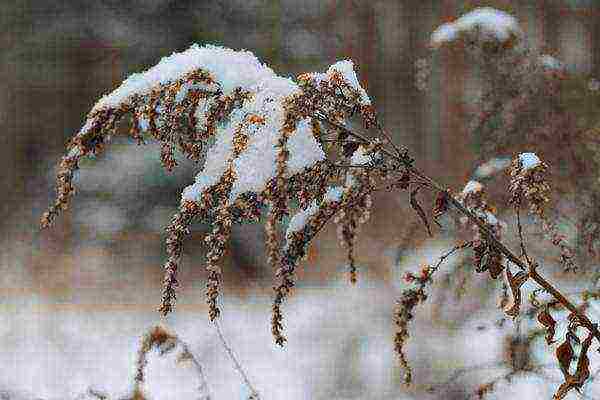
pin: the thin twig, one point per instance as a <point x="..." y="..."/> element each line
<point x="453" y="250"/>
<point x="490" y="236"/>
<point x="388" y="138"/>
<point x="253" y="393"/>
<point x="204" y="389"/>
<point x="521" y="239"/>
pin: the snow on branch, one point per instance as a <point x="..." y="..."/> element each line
<point x="258" y="132"/>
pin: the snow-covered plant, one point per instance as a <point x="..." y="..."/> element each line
<point x="290" y="149"/>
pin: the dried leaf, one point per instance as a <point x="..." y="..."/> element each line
<point x="419" y="210"/>
<point x="515" y="282"/>
<point x="549" y="323"/>
<point x="582" y="373"/>
<point x="564" y="355"/>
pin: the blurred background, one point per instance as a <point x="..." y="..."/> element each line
<point x="75" y="299"/>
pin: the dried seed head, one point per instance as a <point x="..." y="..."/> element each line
<point x="528" y="183"/>
<point x="404" y="313"/>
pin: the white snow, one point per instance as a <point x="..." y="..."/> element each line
<point x="488" y="217"/>
<point x="257" y="164"/>
<point x="346" y="69"/>
<point x="229" y="68"/>
<point x="215" y="166"/>
<point x="529" y="160"/>
<point x="300" y="219"/>
<point x="524" y="386"/>
<point x="304" y="149"/>
<point x="360" y="157"/>
<point x="334" y="194"/>
<point x="492" y="25"/>
<point x="472" y="187"/>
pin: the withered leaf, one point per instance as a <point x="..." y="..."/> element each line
<point x="414" y="203"/>
<point x="515" y="282"/>
<point x="582" y="373"/>
<point x="549" y="323"/>
<point x="564" y="355"/>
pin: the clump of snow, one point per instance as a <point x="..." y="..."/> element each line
<point x="334" y="194"/>
<point x="472" y="187"/>
<point x="304" y="150"/>
<point x="491" y="24"/>
<point x="490" y="218"/>
<point x="258" y="163"/>
<point x="229" y="68"/>
<point x="360" y="156"/>
<point x="215" y="165"/>
<point x="529" y="160"/>
<point x="346" y="69"/>
<point x="300" y="219"/>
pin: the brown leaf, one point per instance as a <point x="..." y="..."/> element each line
<point x="419" y="210"/>
<point x="549" y="323"/>
<point x="515" y="282"/>
<point x="564" y="355"/>
<point x="582" y="373"/>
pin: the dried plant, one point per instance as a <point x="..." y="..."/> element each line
<point x="271" y="142"/>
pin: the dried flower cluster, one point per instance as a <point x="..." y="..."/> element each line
<point x="405" y="312"/>
<point x="268" y="135"/>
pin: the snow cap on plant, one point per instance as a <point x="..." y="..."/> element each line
<point x="483" y="26"/>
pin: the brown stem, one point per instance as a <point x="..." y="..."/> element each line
<point x="521" y="239"/>
<point x="407" y="162"/>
